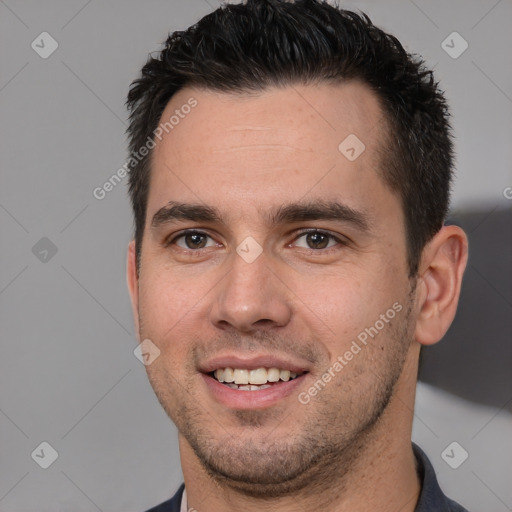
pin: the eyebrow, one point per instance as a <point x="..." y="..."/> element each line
<point x="290" y="213"/>
<point x="174" y="211"/>
<point x="322" y="210"/>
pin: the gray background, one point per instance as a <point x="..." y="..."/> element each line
<point x="68" y="375"/>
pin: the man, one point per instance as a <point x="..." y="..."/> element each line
<point x="290" y="177"/>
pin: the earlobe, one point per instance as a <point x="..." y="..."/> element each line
<point x="133" y="283"/>
<point x="442" y="267"/>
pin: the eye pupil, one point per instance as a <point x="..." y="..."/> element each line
<point x="317" y="240"/>
<point x="195" y="241"/>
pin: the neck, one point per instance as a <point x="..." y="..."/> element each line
<point x="382" y="474"/>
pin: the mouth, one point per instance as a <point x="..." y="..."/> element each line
<point x="257" y="379"/>
<point x="255" y="382"/>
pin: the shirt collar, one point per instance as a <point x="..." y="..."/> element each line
<point x="184" y="504"/>
<point x="432" y="498"/>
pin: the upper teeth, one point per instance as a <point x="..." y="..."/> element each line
<point x="257" y="376"/>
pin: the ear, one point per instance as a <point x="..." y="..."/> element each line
<point x="132" y="280"/>
<point x="440" y="279"/>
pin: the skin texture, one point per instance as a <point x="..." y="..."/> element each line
<point x="247" y="156"/>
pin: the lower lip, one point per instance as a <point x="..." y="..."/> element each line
<point x="258" y="399"/>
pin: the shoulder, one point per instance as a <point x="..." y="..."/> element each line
<point x="432" y="498"/>
<point x="172" y="505"/>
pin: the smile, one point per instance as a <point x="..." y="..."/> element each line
<point x="252" y="379"/>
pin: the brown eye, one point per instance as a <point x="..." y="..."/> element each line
<point x="317" y="240"/>
<point x="194" y="240"/>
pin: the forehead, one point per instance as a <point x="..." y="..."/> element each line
<point x="250" y="150"/>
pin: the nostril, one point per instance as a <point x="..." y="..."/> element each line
<point x="264" y="322"/>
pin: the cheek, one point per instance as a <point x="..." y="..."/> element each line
<point x="167" y="308"/>
<point x="341" y="306"/>
<point x="339" y="300"/>
<point x="166" y="305"/>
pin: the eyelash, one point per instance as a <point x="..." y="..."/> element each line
<point x="174" y="238"/>
<point x="339" y="242"/>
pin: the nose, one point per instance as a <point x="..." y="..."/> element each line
<point x="251" y="297"/>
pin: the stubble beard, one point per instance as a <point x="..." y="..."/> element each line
<point x="328" y="445"/>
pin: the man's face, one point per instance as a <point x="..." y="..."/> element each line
<point x="267" y="246"/>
